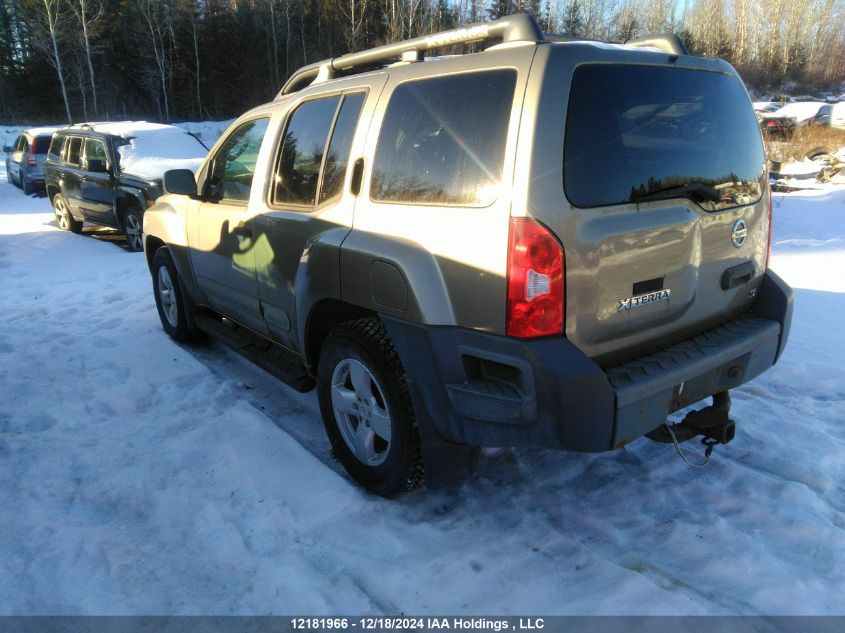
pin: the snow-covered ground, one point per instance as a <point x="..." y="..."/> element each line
<point x="141" y="477"/>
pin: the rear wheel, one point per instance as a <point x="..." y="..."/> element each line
<point x="174" y="306"/>
<point x="64" y="219"/>
<point x="27" y="187"/>
<point x="133" y="229"/>
<point x="367" y="409"/>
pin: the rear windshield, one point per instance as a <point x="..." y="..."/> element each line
<point x="637" y="133"/>
<point x="42" y="143"/>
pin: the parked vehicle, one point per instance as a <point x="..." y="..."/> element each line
<point x="110" y="173"/>
<point x="541" y="244"/>
<point x="25" y="159"/>
<point x="797" y="115"/>
<point x="837" y="115"/>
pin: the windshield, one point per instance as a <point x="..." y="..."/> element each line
<point x="646" y="132"/>
<point x="150" y="153"/>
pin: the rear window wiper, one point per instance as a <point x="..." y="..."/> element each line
<point x="697" y="191"/>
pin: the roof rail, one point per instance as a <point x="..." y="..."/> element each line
<point x="667" y="42"/>
<point x="513" y="28"/>
<point x="520" y="27"/>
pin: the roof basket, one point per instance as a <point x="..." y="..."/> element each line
<point x="666" y="42"/>
<point x="520" y="27"/>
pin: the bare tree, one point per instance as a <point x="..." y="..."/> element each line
<point x="88" y="12"/>
<point x="157" y="30"/>
<point x="46" y="26"/>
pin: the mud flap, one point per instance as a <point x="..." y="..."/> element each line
<point x="445" y="463"/>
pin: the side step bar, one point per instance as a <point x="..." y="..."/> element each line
<point x="270" y="357"/>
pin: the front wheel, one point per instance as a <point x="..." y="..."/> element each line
<point x="367" y="410"/>
<point x="173" y="305"/>
<point x="64" y="219"/>
<point x="133" y="229"/>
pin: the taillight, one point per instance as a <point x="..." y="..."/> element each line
<point x="535" y="280"/>
<point x="769" y="235"/>
<point x="30" y="159"/>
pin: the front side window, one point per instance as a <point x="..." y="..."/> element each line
<point x="95" y="150"/>
<point x="303" y="145"/>
<point x="233" y="166"/>
<point x="638" y="133"/>
<point x="21" y="144"/>
<point x="72" y="150"/>
<point x="443" y="140"/>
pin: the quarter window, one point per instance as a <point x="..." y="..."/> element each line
<point x="303" y="145"/>
<point x="233" y="166"/>
<point x="443" y="140"/>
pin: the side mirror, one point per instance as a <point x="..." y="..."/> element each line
<point x="95" y="165"/>
<point x="180" y="182"/>
<point x="7" y="148"/>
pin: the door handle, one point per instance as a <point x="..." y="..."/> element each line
<point x="357" y="175"/>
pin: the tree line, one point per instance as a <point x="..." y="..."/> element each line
<point x="170" y="60"/>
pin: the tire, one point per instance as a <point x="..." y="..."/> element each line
<point x="133" y="223"/>
<point x="64" y="219"/>
<point x="360" y="381"/>
<point x="174" y="306"/>
<point x="27" y="187"/>
<point x="821" y="150"/>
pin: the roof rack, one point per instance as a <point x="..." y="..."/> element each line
<point x="520" y="27"/>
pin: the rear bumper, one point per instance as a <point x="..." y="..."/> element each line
<point x="486" y="390"/>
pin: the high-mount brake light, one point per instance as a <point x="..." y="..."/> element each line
<point x="535" y="303"/>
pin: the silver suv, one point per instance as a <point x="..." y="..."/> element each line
<point x="552" y="243"/>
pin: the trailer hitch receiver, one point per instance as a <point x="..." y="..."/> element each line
<point x="713" y="423"/>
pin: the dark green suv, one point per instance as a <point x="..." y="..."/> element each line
<point x="101" y="174"/>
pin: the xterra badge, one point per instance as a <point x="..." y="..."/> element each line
<point x="635" y="302"/>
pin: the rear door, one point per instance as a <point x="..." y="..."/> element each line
<point x="96" y="189"/>
<point x="666" y="232"/>
<point x="16" y="157"/>
<point x="69" y="174"/>
<point x="308" y="200"/>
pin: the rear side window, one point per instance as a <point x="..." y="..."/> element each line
<point x="72" y="150"/>
<point x="56" y="146"/>
<point x="337" y="156"/>
<point x="42" y="143"/>
<point x="22" y="144"/>
<point x="303" y="145"/>
<point x="443" y="140"/>
<point x="635" y="133"/>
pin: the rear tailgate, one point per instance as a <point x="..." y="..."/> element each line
<point x="666" y="228"/>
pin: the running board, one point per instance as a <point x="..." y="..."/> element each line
<point x="270" y="357"/>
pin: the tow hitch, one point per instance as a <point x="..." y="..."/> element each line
<point x="712" y="423"/>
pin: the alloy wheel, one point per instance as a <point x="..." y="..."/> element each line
<point x="361" y="411"/>
<point x="167" y="295"/>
